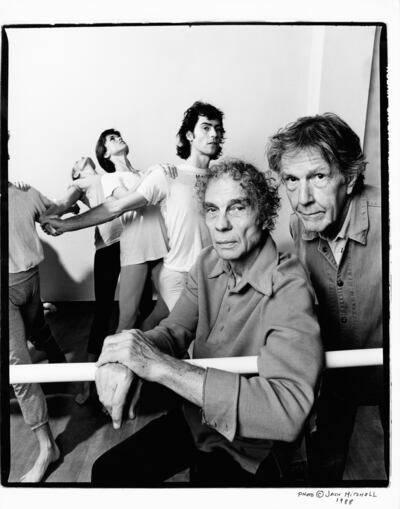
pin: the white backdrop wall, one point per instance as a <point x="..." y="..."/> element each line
<point x="66" y="85"/>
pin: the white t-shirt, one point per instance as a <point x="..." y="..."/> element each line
<point x="144" y="236"/>
<point x="186" y="229"/>
<point x="92" y="194"/>
<point x="24" y="247"/>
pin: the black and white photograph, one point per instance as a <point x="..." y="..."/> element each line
<point x="196" y="227"/>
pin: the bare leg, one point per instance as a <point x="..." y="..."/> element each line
<point x="132" y="280"/>
<point x="48" y="453"/>
<point x="160" y="310"/>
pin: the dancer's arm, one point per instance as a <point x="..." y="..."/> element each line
<point x="113" y="207"/>
<point x="65" y="204"/>
<point x="103" y="213"/>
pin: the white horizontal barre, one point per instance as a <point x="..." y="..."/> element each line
<point x="85" y="371"/>
<point x="354" y="358"/>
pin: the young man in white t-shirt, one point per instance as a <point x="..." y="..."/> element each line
<point x="199" y="142"/>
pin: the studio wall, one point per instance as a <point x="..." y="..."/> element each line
<point x="66" y="85"/>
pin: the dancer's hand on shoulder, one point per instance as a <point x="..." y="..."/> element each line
<point x="21" y="185"/>
<point x="170" y="170"/>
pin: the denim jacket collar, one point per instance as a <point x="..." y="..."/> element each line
<point x="259" y="275"/>
<point x="358" y="227"/>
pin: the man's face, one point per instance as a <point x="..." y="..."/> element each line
<point x="317" y="191"/>
<point x="115" y="145"/>
<point x="231" y="219"/>
<point x="84" y="167"/>
<point x="206" y="136"/>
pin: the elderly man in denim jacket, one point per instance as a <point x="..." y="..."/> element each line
<point x="336" y="227"/>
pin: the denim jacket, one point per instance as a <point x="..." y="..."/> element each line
<point x="349" y="295"/>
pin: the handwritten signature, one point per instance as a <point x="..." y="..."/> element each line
<point x="341" y="497"/>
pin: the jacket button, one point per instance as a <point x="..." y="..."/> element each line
<point x="340" y="282"/>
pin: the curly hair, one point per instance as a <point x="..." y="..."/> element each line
<point x="189" y="122"/>
<point x="104" y="162"/>
<point x="261" y="190"/>
<point x="338" y="144"/>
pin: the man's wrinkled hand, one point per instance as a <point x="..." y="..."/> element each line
<point x="135" y="351"/>
<point x="113" y="382"/>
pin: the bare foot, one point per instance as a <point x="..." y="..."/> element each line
<point x="45" y="458"/>
<point x="84" y="395"/>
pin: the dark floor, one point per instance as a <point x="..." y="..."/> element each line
<point x="84" y="432"/>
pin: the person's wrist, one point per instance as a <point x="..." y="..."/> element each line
<point x="66" y="225"/>
<point x="168" y="369"/>
<point x="160" y="368"/>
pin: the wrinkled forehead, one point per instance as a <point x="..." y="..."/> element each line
<point x="308" y="158"/>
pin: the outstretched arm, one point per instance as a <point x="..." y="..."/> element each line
<point x="103" y="213"/>
<point x="64" y="205"/>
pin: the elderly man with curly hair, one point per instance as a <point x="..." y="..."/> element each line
<point x="242" y="297"/>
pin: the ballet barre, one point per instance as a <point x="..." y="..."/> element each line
<point x="85" y="371"/>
